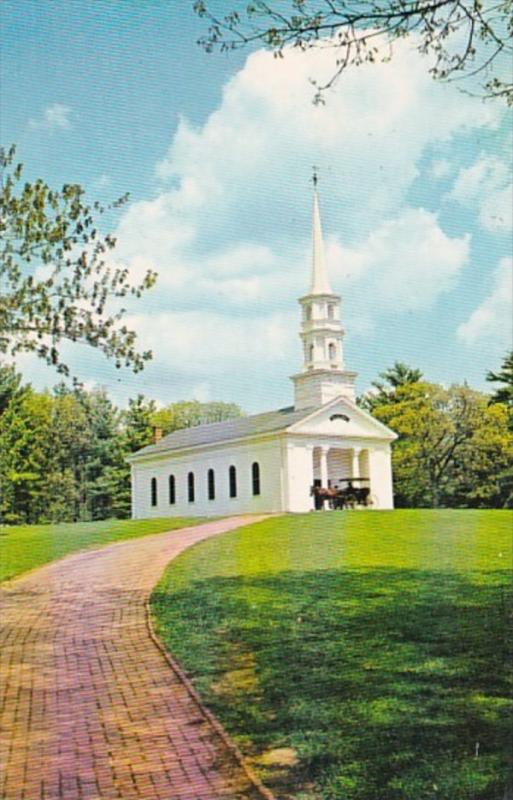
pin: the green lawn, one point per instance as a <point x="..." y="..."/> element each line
<point x="355" y="656"/>
<point x="23" y="547"/>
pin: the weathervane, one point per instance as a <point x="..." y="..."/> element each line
<point x="315" y="176"/>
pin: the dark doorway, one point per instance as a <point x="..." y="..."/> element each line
<point x="317" y="500"/>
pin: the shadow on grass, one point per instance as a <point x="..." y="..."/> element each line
<point x="386" y="684"/>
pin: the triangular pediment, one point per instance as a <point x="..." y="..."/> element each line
<point x="342" y="417"/>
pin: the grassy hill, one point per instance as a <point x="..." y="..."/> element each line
<point x="355" y="656"/>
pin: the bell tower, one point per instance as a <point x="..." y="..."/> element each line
<point x="323" y="376"/>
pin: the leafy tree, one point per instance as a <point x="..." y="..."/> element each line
<point x="465" y="37"/>
<point x="25" y="457"/>
<point x="136" y="431"/>
<point x="384" y="391"/>
<point x="45" y="445"/>
<point x="10" y="385"/>
<point x="53" y="459"/>
<point x="105" y="467"/>
<point x="452" y="448"/>
<point x="97" y="455"/>
<point x="504" y="377"/>
<point x="62" y="495"/>
<point x="57" y="281"/>
<point x="137" y="422"/>
<point x="70" y="442"/>
<point x="188" y="413"/>
<point x="502" y="397"/>
<point x="101" y="473"/>
<point x="482" y="474"/>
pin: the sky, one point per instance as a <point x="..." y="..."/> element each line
<point x="216" y="151"/>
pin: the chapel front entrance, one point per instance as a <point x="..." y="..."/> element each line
<point x="341" y="477"/>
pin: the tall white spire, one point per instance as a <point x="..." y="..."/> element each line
<point x="320" y="282"/>
<point x="324" y="375"/>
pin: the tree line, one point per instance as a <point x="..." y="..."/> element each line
<point x="455" y="445"/>
<point x="62" y="452"/>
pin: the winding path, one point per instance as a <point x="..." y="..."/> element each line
<point x="91" y="707"/>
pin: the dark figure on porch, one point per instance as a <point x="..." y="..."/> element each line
<point x="339" y="498"/>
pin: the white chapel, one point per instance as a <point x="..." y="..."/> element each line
<point x="280" y="460"/>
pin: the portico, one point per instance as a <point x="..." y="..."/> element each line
<point x="333" y="463"/>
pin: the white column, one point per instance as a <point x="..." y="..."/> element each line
<point x="364" y="466"/>
<point x="381" y="477"/>
<point x="297" y="477"/>
<point x="324" y="467"/>
<point x="355" y="471"/>
<point x="310" y="451"/>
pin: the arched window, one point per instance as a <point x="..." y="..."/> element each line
<point x="232" y="479"/>
<point x="211" y="481"/>
<point x="255" y="477"/>
<point x="311" y="352"/>
<point x="154" y="497"/>
<point x="190" y="487"/>
<point x="172" y="490"/>
<point x="332" y="350"/>
<point x="331" y="311"/>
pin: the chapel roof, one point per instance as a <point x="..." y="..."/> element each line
<point x="217" y="432"/>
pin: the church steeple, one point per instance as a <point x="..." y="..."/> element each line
<point x="323" y="377"/>
<point x="320" y="282"/>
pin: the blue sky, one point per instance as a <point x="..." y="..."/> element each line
<point x="216" y="152"/>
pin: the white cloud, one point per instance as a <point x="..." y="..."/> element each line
<point x="202" y="392"/>
<point x="229" y="230"/>
<point x="492" y="319"/>
<point x="236" y="217"/>
<point x="53" y="118"/>
<point x="486" y="185"/>
<point x="405" y="264"/>
<point x="102" y="182"/>
<point x="440" y="168"/>
<point x="253" y="156"/>
<point x="206" y="343"/>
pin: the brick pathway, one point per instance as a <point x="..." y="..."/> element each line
<point x="91" y="708"/>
